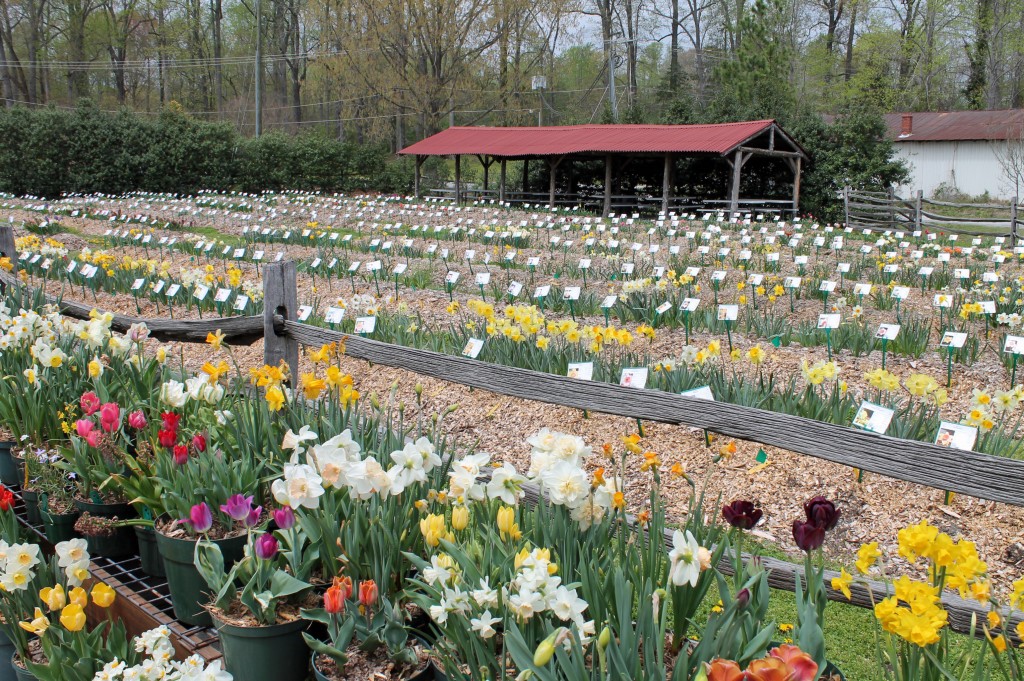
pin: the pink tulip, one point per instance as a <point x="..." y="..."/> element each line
<point x="110" y="417"/>
<point x="200" y="518"/>
<point x="137" y="420"/>
<point x="86" y="431"/>
<point x="89" y="402"/>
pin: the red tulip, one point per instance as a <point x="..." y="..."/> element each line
<point x="137" y="420"/>
<point x="801" y="666"/>
<point x="110" y="417"/>
<point x="723" y="670"/>
<point x="180" y="454"/>
<point x="87" y="431"/>
<point x="170" y="420"/>
<point x="6" y="499"/>
<point x="199" y="442"/>
<point x="167" y="438"/>
<point x="89" y="402"/>
<point x="368" y="593"/>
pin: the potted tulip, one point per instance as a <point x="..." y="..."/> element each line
<point x="98" y="443"/>
<point x="255" y="608"/>
<point x="367" y="637"/>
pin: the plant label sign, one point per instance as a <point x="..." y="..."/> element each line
<point x="515" y="288"/>
<point x="222" y="295"/>
<point x="827" y="286"/>
<point x="200" y="292"/>
<point x="728" y="313"/>
<point x="791" y="282"/>
<point x="304" y="312"/>
<point x="633" y="377"/>
<point x="1014" y="345"/>
<point x="334" y="315"/>
<point x="483" y="278"/>
<point x="542" y="291"/>
<point x="828" y="321"/>
<point x="365" y="324"/>
<point x="571" y="293"/>
<point x="240" y="303"/>
<point x="451" y="278"/>
<point x="755" y="279"/>
<point x="952" y="339"/>
<point x="664" y="307"/>
<point x="689" y="304"/>
<point x="701" y="393"/>
<point x="956" y="436"/>
<point x="400" y="268"/>
<point x="900" y="292"/>
<point x="473" y="348"/>
<point x="887" y="332"/>
<point x="609" y="301"/>
<point x="872" y="417"/>
<point x="583" y="371"/>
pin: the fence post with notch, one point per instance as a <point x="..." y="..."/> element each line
<point x="280" y="298"/>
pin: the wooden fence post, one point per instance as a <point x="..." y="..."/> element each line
<point x="8" y="249"/>
<point x="1013" y="221"/>
<point x="918" y="197"/>
<point x="280" y="298"/>
<point x="846" y="205"/>
<point x="891" y="196"/>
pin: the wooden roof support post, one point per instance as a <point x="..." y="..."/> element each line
<point x="607" y="185"/>
<point x="280" y="298"/>
<point x="796" y="185"/>
<point x="666" y="183"/>
<point x="526" y="176"/>
<point x="737" y="164"/>
<point x="458" y="179"/>
<point x="416" y="178"/>
<point x="501" y="183"/>
<point x="552" y="167"/>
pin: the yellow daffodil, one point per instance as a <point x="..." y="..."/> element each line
<point x="842" y="582"/>
<point x="215" y="339"/>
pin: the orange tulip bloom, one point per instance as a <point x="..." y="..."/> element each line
<point x="800" y="663"/>
<point x="724" y="670"/>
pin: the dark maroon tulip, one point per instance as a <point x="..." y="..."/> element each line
<point x="742" y="598"/>
<point x="821" y="512"/>
<point x="807" y="535"/>
<point x="741" y="514"/>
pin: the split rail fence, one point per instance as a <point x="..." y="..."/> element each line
<point x="975" y="474"/>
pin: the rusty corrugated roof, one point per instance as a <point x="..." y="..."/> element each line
<point x="948" y="126"/>
<point x="720" y="138"/>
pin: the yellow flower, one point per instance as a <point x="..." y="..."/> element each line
<point x="542" y="342"/>
<point x="95" y="368"/>
<point x="275" y="398"/>
<point x="999" y="643"/>
<point x="78" y="596"/>
<point x="460" y="518"/>
<point x="30" y="375"/>
<point x="453" y="307"/>
<point x="632" y="443"/>
<point x="755" y="354"/>
<point x="215" y="339"/>
<point x="38" y="625"/>
<point x="1017" y="596"/>
<point x="867" y="554"/>
<point x="915" y="540"/>
<point x="103" y="595"/>
<point x="73" y="617"/>
<point x="312" y="386"/>
<point x="215" y="372"/>
<point x="322" y="355"/>
<point x="842" y="582"/>
<point x="921" y="384"/>
<point x="507" y="521"/>
<point x="714" y="347"/>
<point x="55" y="598"/>
<point x="734" y="355"/>
<point x="433" y="529"/>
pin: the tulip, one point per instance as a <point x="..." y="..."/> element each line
<point x="800" y="664"/>
<point x="78" y="596"/>
<point x="807" y="535"/>
<point x="54" y="598"/>
<point x="742" y="598"/>
<point x="180" y="455"/>
<point x="266" y="546"/>
<point x="254" y="517"/>
<point x="6" y="499"/>
<point x="200" y="518"/>
<point x="110" y="417"/>
<point x="284" y="518"/>
<point x="345" y="584"/>
<point x="73" y="617"/>
<point x="368" y="593"/>
<point x="741" y="514"/>
<point x="506" y="519"/>
<point x="460" y="518"/>
<point x="170" y="420"/>
<point x="723" y="670"/>
<point x="89" y="402"/>
<point x="199" y="442"/>
<point x="103" y="595"/>
<point x="86" y="431"/>
<point x="137" y="420"/>
<point x="821" y="512"/>
<point x="167" y="438"/>
<point x="334" y="600"/>
<point x="238" y="507"/>
<point x="38" y="625"/>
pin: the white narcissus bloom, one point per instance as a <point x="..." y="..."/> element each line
<point x="366" y="478"/>
<point x="485" y="595"/>
<point x="333" y="457"/>
<point x="437" y="572"/>
<point x="425" y="448"/>
<point x="293" y="441"/>
<point x="566" y="484"/>
<point x="71" y="552"/>
<point x="172" y="393"/>
<point x="567" y="605"/>
<point x="506" y="484"/>
<point x="484" y="625"/>
<point x="526" y="603"/>
<point x="685" y="558"/>
<point x="587" y="514"/>
<point x="195" y="386"/>
<point x="299" y="487"/>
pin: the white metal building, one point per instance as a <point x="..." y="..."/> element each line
<point x="960" y="150"/>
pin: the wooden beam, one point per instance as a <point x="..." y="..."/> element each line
<point x="770" y="152"/>
<point x="501" y="185"/>
<point x="487" y="174"/>
<point x="607" y="185"/>
<point x="666" y="183"/>
<point x="458" y="179"/>
<point x="553" y="164"/>
<point x="526" y="175"/>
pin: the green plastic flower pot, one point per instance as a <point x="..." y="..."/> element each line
<point x="11" y="467"/>
<point x="119" y="544"/>
<point x="189" y="592"/>
<point x="58" y="527"/>
<point x="121" y="511"/>
<point x="149" y="553"/>
<point x="20" y="673"/>
<point x="274" y="653"/>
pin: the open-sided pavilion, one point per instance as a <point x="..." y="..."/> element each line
<point x="733" y="143"/>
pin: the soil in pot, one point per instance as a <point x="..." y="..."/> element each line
<point x="35" y="652"/>
<point x="263" y="653"/>
<point x="149" y="553"/>
<point x="189" y="592"/>
<point x="58" y="519"/>
<point x="375" y="665"/>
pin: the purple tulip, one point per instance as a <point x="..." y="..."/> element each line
<point x="253" y="519"/>
<point x="238" y="507"/>
<point x="284" y="517"/>
<point x="741" y="514"/>
<point x="807" y="535"/>
<point x="266" y="546"/>
<point x="821" y="512"/>
<point x="742" y="598"/>
<point x="200" y="518"/>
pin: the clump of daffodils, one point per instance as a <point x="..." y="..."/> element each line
<point x="155" y="644"/>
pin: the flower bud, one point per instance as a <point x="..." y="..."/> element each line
<point x="546" y="649"/>
<point x="368" y="593"/>
<point x="742" y="598"/>
<point x="284" y="518"/>
<point x="604" y="638"/>
<point x="460" y="518"/>
<point x="266" y="546"/>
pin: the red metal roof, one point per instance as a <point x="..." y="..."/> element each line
<point x="948" y="126"/>
<point x="719" y="138"/>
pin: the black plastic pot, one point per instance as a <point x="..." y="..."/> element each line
<point x="122" y="511"/>
<point x="6" y="656"/>
<point x="20" y="673"/>
<point x="149" y="552"/>
<point x="118" y="544"/>
<point x="189" y="592"/>
<point x="31" y="498"/>
<point x="58" y="527"/>
<point x="274" y="653"/>
<point x="11" y="467"/>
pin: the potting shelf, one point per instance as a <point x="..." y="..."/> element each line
<point x="143" y="602"/>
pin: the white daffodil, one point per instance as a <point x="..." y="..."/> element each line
<point x="484" y="625"/>
<point x="566" y="483"/>
<point x="299" y="487"/>
<point x="172" y="393"/>
<point x="506" y="484"/>
<point x="293" y="441"/>
<point x="685" y="559"/>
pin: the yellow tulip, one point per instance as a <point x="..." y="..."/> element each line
<point x="73" y="617"/>
<point x="38" y="625"/>
<point x="55" y="598"/>
<point x="460" y="518"/>
<point x="103" y="595"/>
<point x="506" y="519"/>
<point x="78" y="596"/>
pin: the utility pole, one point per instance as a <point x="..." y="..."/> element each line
<point x="611" y="81"/>
<point x="539" y="83"/>
<point x="259" y="67"/>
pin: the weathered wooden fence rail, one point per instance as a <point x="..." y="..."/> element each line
<point x="972" y="473"/>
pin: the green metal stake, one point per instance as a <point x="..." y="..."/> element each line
<point x="828" y="343"/>
<point x="606" y="321"/>
<point x="728" y="333"/>
<point x="572" y="309"/>
<point x="686" y="325"/>
<point x="640" y="428"/>
<point x="482" y="294"/>
<point x="1013" y="372"/>
<point x="825" y="309"/>
<point x="885" y="342"/>
<point x="949" y="367"/>
<point x="396" y="287"/>
<point x="449" y="289"/>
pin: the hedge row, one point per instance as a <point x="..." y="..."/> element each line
<point x="47" y="152"/>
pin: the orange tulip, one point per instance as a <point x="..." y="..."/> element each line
<point x="800" y="663"/>
<point x="367" y="592"/>
<point x="768" y="669"/>
<point x="724" y="670"/>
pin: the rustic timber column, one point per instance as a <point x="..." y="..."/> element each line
<point x="526" y="176"/>
<point x="416" y="180"/>
<point x="458" y="179"/>
<point x="796" y="186"/>
<point x="734" y="192"/>
<point x="280" y="298"/>
<point x="552" y="167"/>
<point x="501" y="185"/>
<point x="666" y="183"/>
<point x="607" y="185"/>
